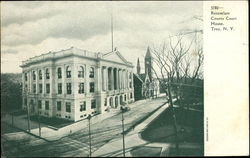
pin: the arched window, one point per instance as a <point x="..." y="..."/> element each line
<point x="68" y="72"/>
<point x="40" y="74"/>
<point x="81" y="72"/>
<point x="34" y="75"/>
<point x="91" y="72"/>
<point x="59" y="72"/>
<point x="47" y="73"/>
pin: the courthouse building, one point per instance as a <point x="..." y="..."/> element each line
<point x="73" y="83"/>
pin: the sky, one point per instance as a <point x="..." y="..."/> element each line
<point x="32" y="28"/>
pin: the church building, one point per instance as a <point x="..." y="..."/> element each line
<point x="146" y="86"/>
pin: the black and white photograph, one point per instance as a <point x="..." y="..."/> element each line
<point x="102" y="79"/>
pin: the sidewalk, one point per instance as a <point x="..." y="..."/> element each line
<point x="50" y="134"/>
<point x="132" y="139"/>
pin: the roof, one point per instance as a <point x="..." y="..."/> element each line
<point x="137" y="76"/>
<point x="114" y="56"/>
<point x="148" y="54"/>
<point x="142" y="76"/>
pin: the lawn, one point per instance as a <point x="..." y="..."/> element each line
<point x="55" y="122"/>
<point x="189" y="126"/>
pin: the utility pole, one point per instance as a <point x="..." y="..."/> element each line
<point x="123" y="137"/>
<point x="38" y="118"/>
<point x="89" y="117"/>
<point x="28" y="117"/>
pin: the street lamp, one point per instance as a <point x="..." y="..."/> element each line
<point x="89" y="117"/>
<point x="123" y="139"/>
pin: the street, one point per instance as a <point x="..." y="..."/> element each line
<point x="77" y="144"/>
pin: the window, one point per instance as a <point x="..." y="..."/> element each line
<point x="131" y="95"/>
<point x="81" y="72"/>
<point x="68" y="72"/>
<point x="125" y="98"/>
<point x="46" y="105"/>
<point x="68" y="107"/>
<point x="34" y="88"/>
<point x="47" y="73"/>
<point x="40" y="88"/>
<point x="91" y="72"/>
<point x="82" y="106"/>
<point x="69" y="88"/>
<point x="130" y="84"/>
<point x="130" y="75"/>
<point x="47" y="88"/>
<point x="39" y="104"/>
<point x="93" y="104"/>
<point x="81" y="88"/>
<point x="34" y="75"/>
<point x="40" y="74"/>
<point x="105" y="102"/>
<point x="58" y="105"/>
<point x="25" y="77"/>
<point x="59" y="72"/>
<point x="59" y="88"/>
<point x="111" y="101"/>
<point x="91" y="87"/>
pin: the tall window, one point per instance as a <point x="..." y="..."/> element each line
<point x="81" y="72"/>
<point x="69" y="91"/>
<point x="59" y="88"/>
<point x="47" y="88"/>
<point x="25" y="77"/>
<point x="91" y="87"/>
<point x="93" y="104"/>
<point x="46" y="105"/>
<point x="47" y="73"/>
<point x="59" y="72"/>
<point x="39" y="104"/>
<point x="58" y="105"/>
<point x="40" y="88"/>
<point x="68" y="72"/>
<point x="83" y="106"/>
<point x="130" y="84"/>
<point x="40" y="74"/>
<point x="68" y="107"/>
<point x="81" y="88"/>
<point x="91" y="72"/>
<point x="34" y="88"/>
<point x="34" y="75"/>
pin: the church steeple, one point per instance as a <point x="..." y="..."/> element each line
<point x="148" y="54"/>
<point x="148" y="64"/>
<point x="138" y="67"/>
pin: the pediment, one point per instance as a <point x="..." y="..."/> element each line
<point x="116" y="57"/>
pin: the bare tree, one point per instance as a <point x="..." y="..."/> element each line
<point x="179" y="63"/>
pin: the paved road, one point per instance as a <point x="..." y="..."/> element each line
<point x="77" y="144"/>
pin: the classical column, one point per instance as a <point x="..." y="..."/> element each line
<point x="103" y="78"/>
<point x="117" y="79"/>
<point x="112" y="78"/>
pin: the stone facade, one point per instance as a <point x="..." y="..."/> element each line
<point x="149" y="86"/>
<point x="73" y="83"/>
